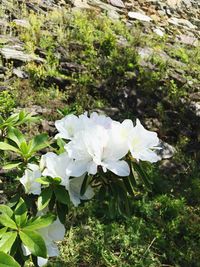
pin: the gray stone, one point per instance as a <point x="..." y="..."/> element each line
<point x="82" y="4"/>
<point x="14" y="54"/>
<point x="181" y="22"/>
<point x="159" y="32"/>
<point x="145" y="52"/>
<point x="114" y="15"/>
<point x="187" y="39"/>
<point x="117" y="3"/>
<point x="102" y="5"/>
<point x="139" y="16"/>
<point x="195" y="107"/>
<point x="22" y="22"/>
<point x="174" y="3"/>
<point x="20" y="73"/>
<point x="166" y="151"/>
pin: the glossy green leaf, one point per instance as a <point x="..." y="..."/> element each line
<point x="24" y="148"/>
<point x="7" y="260"/>
<point x="44" y="198"/>
<point x="85" y="184"/>
<point x="62" y="211"/>
<point x="38" y="142"/>
<point x="5" y="220"/>
<point x="6" y="146"/>
<point x="7" y="241"/>
<point x="11" y="166"/>
<point x="142" y="175"/>
<point x="3" y="230"/>
<point x="6" y="210"/>
<point x="61" y="194"/>
<point x="34" y="242"/>
<point x="20" y="213"/>
<point x="40" y="222"/>
<point x="16" y="136"/>
<point x="128" y="185"/>
<point x="43" y="180"/>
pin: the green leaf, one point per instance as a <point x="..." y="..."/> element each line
<point x="24" y="148"/>
<point x="2" y="231"/>
<point x="122" y="199"/>
<point x="38" y="142"/>
<point x="5" y="146"/>
<point x="61" y="194"/>
<point x="40" y="222"/>
<point x="34" y="242"/>
<point x="62" y="211"/>
<point x="16" y="136"/>
<point x="85" y="184"/>
<point x="12" y="120"/>
<point x="44" y="198"/>
<point x="5" y="220"/>
<point x="132" y="176"/>
<point x="7" y="260"/>
<point x="20" y="213"/>
<point x="128" y="185"/>
<point x="61" y="143"/>
<point x="143" y="176"/>
<point x="10" y="166"/>
<point x="43" y="180"/>
<point x="7" y="241"/>
<point x="6" y="210"/>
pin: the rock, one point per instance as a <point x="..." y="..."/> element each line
<point x="195" y="107"/>
<point x="3" y="88"/>
<point x="166" y="151"/>
<point x="145" y="52"/>
<point x="159" y="32"/>
<point x="5" y="39"/>
<point x="179" y="78"/>
<point x="14" y="54"/>
<point x="103" y="5"/>
<point x="187" y="39"/>
<point x="139" y="16"/>
<point x="81" y="4"/>
<point x="22" y="22"/>
<point x="117" y="3"/>
<point x="67" y="67"/>
<point x="114" y="15"/>
<point x="174" y="3"/>
<point x="181" y="22"/>
<point x="187" y="3"/>
<point x="34" y="110"/>
<point x="20" y="74"/>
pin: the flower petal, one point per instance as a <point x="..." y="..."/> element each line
<point x="120" y="168"/>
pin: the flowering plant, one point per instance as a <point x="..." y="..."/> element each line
<point x="91" y="154"/>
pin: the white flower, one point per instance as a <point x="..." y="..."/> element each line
<point x="142" y="143"/>
<point x="60" y="166"/>
<point x="50" y="234"/>
<point x="56" y="165"/>
<point x="67" y="126"/>
<point x="102" y="120"/>
<point x="70" y="125"/>
<point x="95" y="147"/>
<point x="28" y="180"/>
<point x="73" y="186"/>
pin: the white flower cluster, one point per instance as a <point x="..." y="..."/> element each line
<point x="93" y="141"/>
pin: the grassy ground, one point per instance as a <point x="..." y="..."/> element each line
<point x="94" y="64"/>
